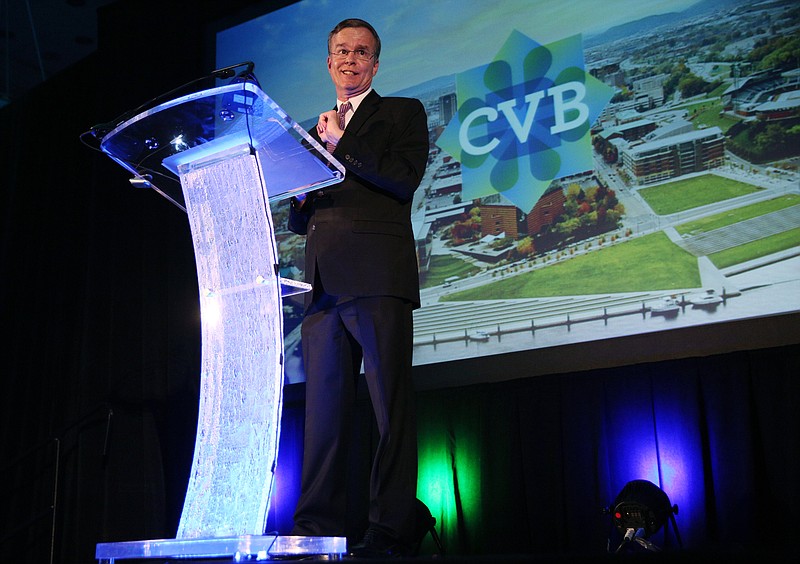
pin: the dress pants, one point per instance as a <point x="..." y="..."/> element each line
<point x="336" y="335"/>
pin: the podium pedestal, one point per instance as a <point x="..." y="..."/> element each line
<point x="232" y="150"/>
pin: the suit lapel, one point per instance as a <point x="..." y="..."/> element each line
<point x="366" y="108"/>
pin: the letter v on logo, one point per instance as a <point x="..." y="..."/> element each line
<point x="522" y="131"/>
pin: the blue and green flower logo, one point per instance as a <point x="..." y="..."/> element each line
<point x="523" y="119"/>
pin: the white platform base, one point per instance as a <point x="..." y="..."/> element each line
<point x="238" y="549"/>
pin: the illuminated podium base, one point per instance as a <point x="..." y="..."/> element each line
<point x="238" y="549"/>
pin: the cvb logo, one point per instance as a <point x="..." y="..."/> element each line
<point x="524" y="119"/>
<point x="561" y="107"/>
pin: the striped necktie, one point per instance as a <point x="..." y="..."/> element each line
<point x="343" y="109"/>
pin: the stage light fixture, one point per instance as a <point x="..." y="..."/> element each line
<point x="640" y="510"/>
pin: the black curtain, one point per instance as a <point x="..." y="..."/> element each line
<point x="100" y="308"/>
<point x="531" y="466"/>
<point x="527" y="466"/>
<point x="101" y="333"/>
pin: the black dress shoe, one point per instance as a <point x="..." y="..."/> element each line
<point x="378" y="544"/>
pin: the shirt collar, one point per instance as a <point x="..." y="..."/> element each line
<point x="355" y="101"/>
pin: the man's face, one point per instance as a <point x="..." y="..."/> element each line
<point x="351" y="75"/>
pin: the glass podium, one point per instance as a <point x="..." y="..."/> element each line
<point x="223" y="155"/>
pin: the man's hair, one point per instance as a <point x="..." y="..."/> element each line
<point x="355" y="22"/>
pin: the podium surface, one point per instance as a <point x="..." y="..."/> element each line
<point x="153" y="144"/>
<point x="223" y="155"/>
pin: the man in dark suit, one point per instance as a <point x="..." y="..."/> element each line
<point x="361" y="261"/>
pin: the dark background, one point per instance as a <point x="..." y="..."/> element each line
<point x="101" y="354"/>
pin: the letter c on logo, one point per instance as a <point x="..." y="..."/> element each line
<point x="490" y="114"/>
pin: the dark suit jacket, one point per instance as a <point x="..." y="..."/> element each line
<point x="359" y="236"/>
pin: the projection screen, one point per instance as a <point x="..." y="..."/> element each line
<point x="597" y="169"/>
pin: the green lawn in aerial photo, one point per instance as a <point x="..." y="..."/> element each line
<point x="682" y="195"/>
<point x="443" y="267"/>
<point x="649" y="263"/>
<point x="757" y="249"/>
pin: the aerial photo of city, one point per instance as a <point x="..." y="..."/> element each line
<point x="690" y="214"/>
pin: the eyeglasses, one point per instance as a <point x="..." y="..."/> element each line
<point x="360" y="54"/>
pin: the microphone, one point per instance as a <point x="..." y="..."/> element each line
<point x="228" y="72"/>
<point x="101" y="129"/>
